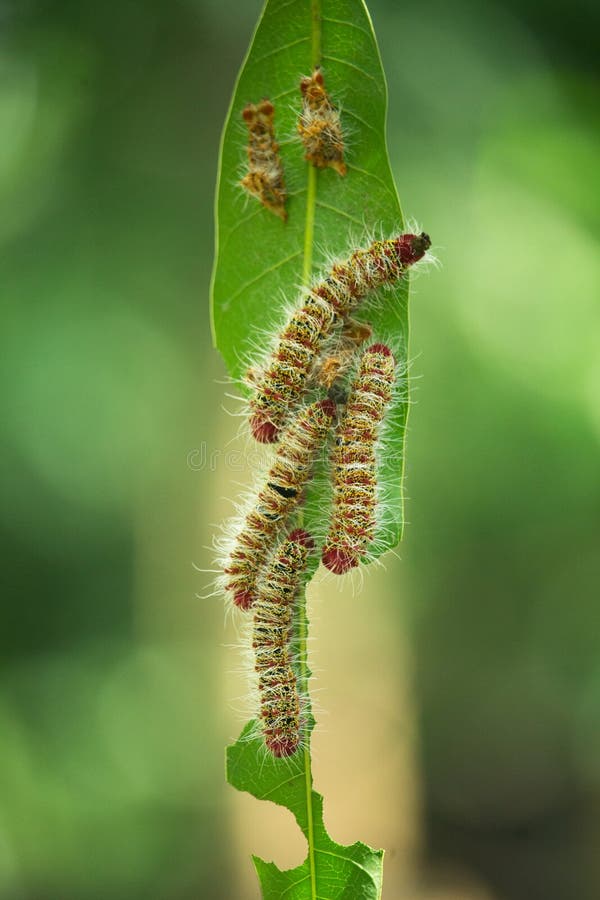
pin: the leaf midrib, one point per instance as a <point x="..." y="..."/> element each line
<point x="309" y="237"/>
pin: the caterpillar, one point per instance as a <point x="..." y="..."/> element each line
<point x="353" y="461"/>
<point x="278" y="495"/>
<point x="279" y="386"/>
<point x="264" y="179"/>
<point x="272" y="632"/>
<point x="319" y="125"/>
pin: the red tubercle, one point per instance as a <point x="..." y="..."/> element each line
<point x="263" y="430"/>
<point x="339" y="559"/>
<point x="284" y="356"/>
<point x="412" y="247"/>
<point x="382" y="349"/>
<point x="243" y="599"/>
<point x="360" y="532"/>
<point x="328" y="407"/>
<point x="271" y="394"/>
<point x="281" y="745"/>
<point x="299" y="536"/>
<point x="348" y="459"/>
<point x="358" y="478"/>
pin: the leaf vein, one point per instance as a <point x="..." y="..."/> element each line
<point x="340" y="212"/>
<point x="346" y="62"/>
<point x="282" y="784"/>
<point x="262" y="274"/>
<point x="281" y="49"/>
<point x="345" y="859"/>
<point x="285" y="5"/>
<point x="372" y="175"/>
<point x="295" y="884"/>
<point x="344" y="22"/>
<point x="239" y="223"/>
<point x="293" y="90"/>
<point x="348" y="112"/>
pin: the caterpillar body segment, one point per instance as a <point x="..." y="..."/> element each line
<point x="272" y="641"/>
<point x="331" y="301"/>
<point x="283" y="382"/>
<point x="279" y="494"/>
<point x="354" y="462"/>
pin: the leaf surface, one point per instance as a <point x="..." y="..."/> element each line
<point x="339" y="872"/>
<point x="261" y="262"/>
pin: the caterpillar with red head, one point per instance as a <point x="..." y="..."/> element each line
<point x="278" y="495"/>
<point x="272" y="641"/>
<point x="264" y="179"/>
<point x="280" y="385"/>
<point x="319" y="125"/>
<point x="353" y="461"/>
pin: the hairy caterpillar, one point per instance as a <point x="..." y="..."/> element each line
<point x="272" y="633"/>
<point x="278" y="495"/>
<point x="353" y="461"/>
<point x="264" y="179"/>
<point x="319" y="125"/>
<point x="279" y="386"/>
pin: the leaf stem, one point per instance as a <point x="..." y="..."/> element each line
<point x="309" y="226"/>
<point x="315" y="14"/>
<point x="302" y="617"/>
<point x="309" y="235"/>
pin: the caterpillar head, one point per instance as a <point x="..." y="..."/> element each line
<point x="412" y="247"/>
<point x="339" y="558"/>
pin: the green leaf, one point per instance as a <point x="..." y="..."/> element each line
<point x="331" y="871"/>
<point x="260" y="264"/>
<point x="260" y="261"/>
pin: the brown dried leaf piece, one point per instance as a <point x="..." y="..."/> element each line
<point x="319" y="125"/>
<point x="265" y="171"/>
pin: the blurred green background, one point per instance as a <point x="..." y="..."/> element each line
<point x="114" y="702"/>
